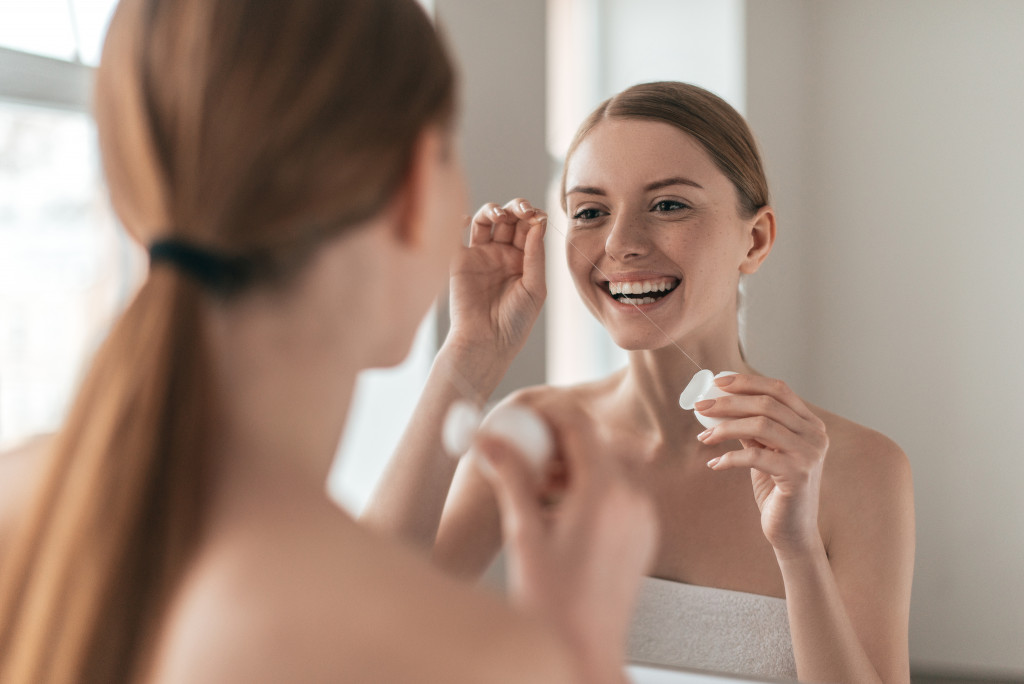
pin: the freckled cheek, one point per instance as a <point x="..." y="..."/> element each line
<point x="579" y="267"/>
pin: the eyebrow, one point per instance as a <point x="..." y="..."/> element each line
<point x="656" y="185"/>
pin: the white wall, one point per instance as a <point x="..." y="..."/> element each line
<point x="500" y="48"/>
<point x="894" y="133"/>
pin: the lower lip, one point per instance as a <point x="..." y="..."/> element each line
<point x="627" y="307"/>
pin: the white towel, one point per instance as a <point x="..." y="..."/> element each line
<point x="734" y="632"/>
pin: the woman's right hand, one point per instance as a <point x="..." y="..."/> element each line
<point x="578" y="563"/>
<point x="497" y="282"/>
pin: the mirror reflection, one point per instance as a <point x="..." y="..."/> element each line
<point x="864" y="259"/>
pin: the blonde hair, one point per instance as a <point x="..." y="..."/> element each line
<point x="254" y="130"/>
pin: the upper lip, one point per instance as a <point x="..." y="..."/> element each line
<point x="635" y="276"/>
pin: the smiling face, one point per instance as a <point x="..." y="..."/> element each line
<point x="655" y="229"/>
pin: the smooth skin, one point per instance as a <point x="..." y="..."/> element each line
<point x="783" y="499"/>
<point x="286" y="587"/>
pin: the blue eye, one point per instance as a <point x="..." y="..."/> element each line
<point x="588" y="214"/>
<point x="669" y="205"/>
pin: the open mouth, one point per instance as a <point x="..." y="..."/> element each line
<point x="641" y="291"/>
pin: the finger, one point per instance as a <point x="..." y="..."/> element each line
<point x="525" y="215"/>
<point x="765" y="460"/>
<point x="504" y="230"/>
<point x="483" y="223"/>
<point x="748" y="405"/>
<point x="755" y="428"/>
<point x="742" y="383"/>
<point x="534" y="276"/>
<point x="523" y="228"/>
<point x="515" y="488"/>
<point x="520" y="208"/>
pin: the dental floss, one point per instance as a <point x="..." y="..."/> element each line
<point x="522" y="427"/>
<point x="702" y="387"/>
<point x="460" y="425"/>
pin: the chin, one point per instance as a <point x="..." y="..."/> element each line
<point x="639" y="342"/>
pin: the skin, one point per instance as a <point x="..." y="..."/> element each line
<point x="287" y="587"/>
<point x="783" y="499"/>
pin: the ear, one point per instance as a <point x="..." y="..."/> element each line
<point x="412" y="204"/>
<point x="761" y="234"/>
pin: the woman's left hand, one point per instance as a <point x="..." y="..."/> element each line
<point x="784" y="445"/>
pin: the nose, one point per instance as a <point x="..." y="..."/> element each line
<point x="626" y="240"/>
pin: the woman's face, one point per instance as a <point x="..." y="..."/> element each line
<point x="655" y="229"/>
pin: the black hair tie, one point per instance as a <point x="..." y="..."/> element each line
<point x="218" y="272"/>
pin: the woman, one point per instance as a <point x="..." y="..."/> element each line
<point x="774" y="560"/>
<point x="291" y="167"/>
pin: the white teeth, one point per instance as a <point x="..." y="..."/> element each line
<point x="639" y="287"/>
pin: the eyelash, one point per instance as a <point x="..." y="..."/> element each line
<point x="580" y="214"/>
<point x="678" y="205"/>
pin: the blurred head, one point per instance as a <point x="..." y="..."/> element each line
<point x="273" y="143"/>
<point x="666" y="193"/>
<point x="262" y="130"/>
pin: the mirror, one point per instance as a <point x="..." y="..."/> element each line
<point x="892" y="136"/>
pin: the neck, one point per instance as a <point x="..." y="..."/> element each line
<point x="655" y="378"/>
<point x="281" y="412"/>
<point x="285" y="366"/>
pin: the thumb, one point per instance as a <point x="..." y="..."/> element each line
<point x="514" y="487"/>
<point x="533" y="258"/>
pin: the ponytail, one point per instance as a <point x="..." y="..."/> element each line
<point x="119" y="509"/>
<point x="237" y="137"/>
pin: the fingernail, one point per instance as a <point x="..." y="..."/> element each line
<point x="724" y="380"/>
<point x="713" y="462"/>
<point x="704" y="435"/>
<point x="497" y="212"/>
<point x="704" y="405"/>
<point x="525" y="207"/>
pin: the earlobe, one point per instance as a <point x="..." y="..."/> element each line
<point x="762" y="237"/>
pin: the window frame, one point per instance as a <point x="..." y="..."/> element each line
<point x="41" y="81"/>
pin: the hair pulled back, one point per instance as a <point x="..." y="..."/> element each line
<point x="712" y="121"/>
<point x="251" y="129"/>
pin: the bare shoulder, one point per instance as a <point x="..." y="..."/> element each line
<point x="865" y="474"/>
<point x="21" y="469"/>
<point x="364" y="609"/>
<point x="858" y="452"/>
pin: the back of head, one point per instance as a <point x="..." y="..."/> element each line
<point x="250" y="130"/>
<point x="712" y="121"/>
<point x="258" y="128"/>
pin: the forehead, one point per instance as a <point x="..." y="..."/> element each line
<point x="624" y="154"/>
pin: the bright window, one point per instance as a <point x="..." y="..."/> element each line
<point x="64" y="265"/>
<point x="71" y="30"/>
